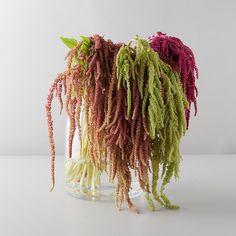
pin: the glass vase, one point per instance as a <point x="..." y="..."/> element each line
<point x="84" y="181"/>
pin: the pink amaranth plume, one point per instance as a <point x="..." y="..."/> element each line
<point x="56" y="87"/>
<point x="181" y="58"/>
<point x="73" y="103"/>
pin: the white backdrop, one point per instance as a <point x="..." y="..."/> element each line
<point x="31" y="55"/>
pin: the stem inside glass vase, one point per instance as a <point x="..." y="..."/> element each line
<point x="83" y="180"/>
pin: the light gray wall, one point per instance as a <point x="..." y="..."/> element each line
<point x="31" y="54"/>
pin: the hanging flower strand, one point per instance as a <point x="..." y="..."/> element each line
<point x="181" y="58"/>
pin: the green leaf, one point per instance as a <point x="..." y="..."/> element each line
<point x="69" y="42"/>
<point x="86" y="40"/>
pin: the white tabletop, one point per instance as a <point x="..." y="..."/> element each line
<point x="206" y="193"/>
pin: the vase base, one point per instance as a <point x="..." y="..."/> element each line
<point x="105" y="193"/>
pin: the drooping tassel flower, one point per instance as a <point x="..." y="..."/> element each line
<point x="181" y="58"/>
<point x="48" y="107"/>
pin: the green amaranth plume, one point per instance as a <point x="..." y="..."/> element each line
<point x="166" y="146"/>
<point x="125" y="67"/>
<point x="148" y="70"/>
<point x="163" y="104"/>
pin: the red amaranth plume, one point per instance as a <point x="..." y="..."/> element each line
<point x="181" y="58"/>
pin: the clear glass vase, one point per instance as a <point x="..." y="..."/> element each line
<point x="84" y="181"/>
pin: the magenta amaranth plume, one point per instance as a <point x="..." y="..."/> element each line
<point x="181" y="58"/>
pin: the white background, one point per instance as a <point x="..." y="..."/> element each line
<point x="31" y="55"/>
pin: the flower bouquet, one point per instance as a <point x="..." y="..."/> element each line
<point x="129" y="105"/>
